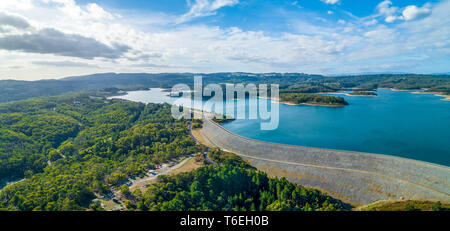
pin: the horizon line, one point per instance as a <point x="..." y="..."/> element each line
<point x="235" y="72"/>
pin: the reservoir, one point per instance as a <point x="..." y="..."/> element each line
<point x="398" y="123"/>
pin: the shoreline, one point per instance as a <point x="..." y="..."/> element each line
<point x="306" y="104"/>
<point x="393" y="89"/>
<point x="362" y="95"/>
<point x="439" y="94"/>
<point x="318" y="105"/>
<point x="347" y="94"/>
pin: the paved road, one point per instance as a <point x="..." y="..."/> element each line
<point x="205" y="154"/>
<point x="160" y="172"/>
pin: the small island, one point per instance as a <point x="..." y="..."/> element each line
<point x="221" y="119"/>
<point x="312" y="99"/>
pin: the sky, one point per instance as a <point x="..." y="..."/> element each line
<point x="44" y="39"/>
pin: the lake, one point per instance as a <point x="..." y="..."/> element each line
<point x="398" y="123"/>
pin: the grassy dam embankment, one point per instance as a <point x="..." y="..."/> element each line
<point x="357" y="178"/>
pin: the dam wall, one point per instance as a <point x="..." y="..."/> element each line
<point x="357" y="178"/>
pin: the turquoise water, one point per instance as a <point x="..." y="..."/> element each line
<point x="399" y="123"/>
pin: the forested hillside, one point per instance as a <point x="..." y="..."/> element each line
<point x="231" y="185"/>
<point x="71" y="148"/>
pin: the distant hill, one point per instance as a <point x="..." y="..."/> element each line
<point x="445" y="73"/>
<point x="13" y="90"/>
<point x="370" y="73"/>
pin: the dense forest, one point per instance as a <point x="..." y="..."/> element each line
<point x="302" y="98"/>
<point x="72" y="148"/>
<point x="12" y="90"/>
<point x="230" y="185"/>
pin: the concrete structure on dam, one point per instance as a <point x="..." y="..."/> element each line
<point x="357" y="178"/>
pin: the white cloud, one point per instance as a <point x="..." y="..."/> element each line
<point x="13" y="21"/>
<point x="331" y="2"/>
<point x="385" y="8"/>
<point x="371" y="22"/>
<point x="341" y="21"/>
<point x="51" y="41"/>
<point x="155" y="45"/>
<point x="410" y="12"/>
<point x="16" y="5"/>
<point x="203" y="8"/>
<point x="96" y="12"/>
<point x="90" y="11"/>
<point x="391" y="18"/>
<point x="414" y="12"/>
<point x="62" y="64"/>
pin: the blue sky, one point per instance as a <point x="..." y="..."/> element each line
<point x="266" y="15"/>
<point x="57" y="38"/>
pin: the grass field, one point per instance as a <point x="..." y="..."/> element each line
<point x="189" y="166"/>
